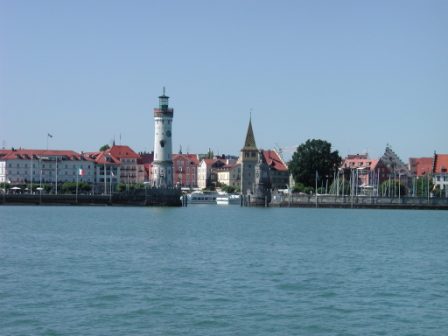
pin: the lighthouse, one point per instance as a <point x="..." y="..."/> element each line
<point x="162" y="168"/>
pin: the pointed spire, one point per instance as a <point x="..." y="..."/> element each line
<point x="250" y="138"/>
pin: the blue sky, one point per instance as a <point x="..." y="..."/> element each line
<point x="359" y="74"/>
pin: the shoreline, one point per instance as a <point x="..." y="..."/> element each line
<point x="172" y="198"/>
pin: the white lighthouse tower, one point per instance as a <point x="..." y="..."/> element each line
<point x="162" y="169"/>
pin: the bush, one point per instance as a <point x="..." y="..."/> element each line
<point x="70" y="187"/>
<point x="228" y="189"/>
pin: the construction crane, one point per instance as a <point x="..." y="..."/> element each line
<point x="282" y="150"/>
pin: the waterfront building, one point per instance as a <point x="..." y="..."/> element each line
<point x="107" y="171"/>
<point x="185" y="170"/>
<point x="36" y="167"/>
<point x="128" y="161"/>
<point x="230" y="175"/>
<point x="397" y="168"/>
<point x="207" y="172"/>
<point x="440" y="172"/>
<point x="278" y="170"/>
<point x="419" y="167"/>
<point x="365" y="173"/>
<point x="145" y="161"/>
<point x="162" y="166"/>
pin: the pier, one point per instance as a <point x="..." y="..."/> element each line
<point x="358" y="202"/>
<point x="149" y="197"/>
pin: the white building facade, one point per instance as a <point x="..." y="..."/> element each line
<point x="230" y="175"/>
<point x="45" y="167"/>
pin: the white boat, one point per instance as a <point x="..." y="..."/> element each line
<point x="200" y="197"/>
<point x="212" y="197"/>
<point x="222" y="200"/>
<point x="228" y="199"/>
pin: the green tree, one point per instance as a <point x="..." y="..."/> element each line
<point x="298" y="187"/>
<point x="228" y="189"/>
<point x="210" y="154"/>
<point x="70" y="187"/>
<point x="424" y="185"/>
<point x="104" y="148"/>
<point x="121" y="187"/>
<point x="4" y="185"/>
<point x="313" y="156"/>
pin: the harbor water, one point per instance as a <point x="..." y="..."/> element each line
<point x="211" y="270"/>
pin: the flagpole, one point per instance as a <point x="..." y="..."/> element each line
<point x="77" y="179"/>
<point x="31" y="173"/>
<point x="110" y="185"/>
<point x="316" y="188"/>
<point x="56" y="175"/>
<point x="105" y="180"/>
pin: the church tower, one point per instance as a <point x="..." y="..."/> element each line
<point x="162" y="168"/>
<point x="249" y="159"/>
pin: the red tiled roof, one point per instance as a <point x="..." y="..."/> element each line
<point x="209" y="162"/>
<point x="187" y="157"/>
<point x="101" y="158"/>
<point x="146" y="158"/>
<point x="121" y="152"/>
<point x="4" y="152"/>
<point x="421" y="166"/>
<point x="274" y="161"/>
<point x="90" y="156"/>
<point x="106" y="158"/>
<point x="359" y="163"/>
<point x="440" y="163"/>
<point x="27" y="154"/>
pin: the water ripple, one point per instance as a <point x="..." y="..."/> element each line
<point x="222" y="271"/>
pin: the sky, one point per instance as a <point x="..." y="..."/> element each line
<point x="359" y="74"/>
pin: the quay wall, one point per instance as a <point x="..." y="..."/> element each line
<point x="150" y="197"/>
<point x="330" y="201"/>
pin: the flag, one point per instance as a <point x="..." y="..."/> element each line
<point x="81" y="172"/>
<point x="49" y="135"/>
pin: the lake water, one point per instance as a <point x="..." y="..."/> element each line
<point x="208" y="270"/>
